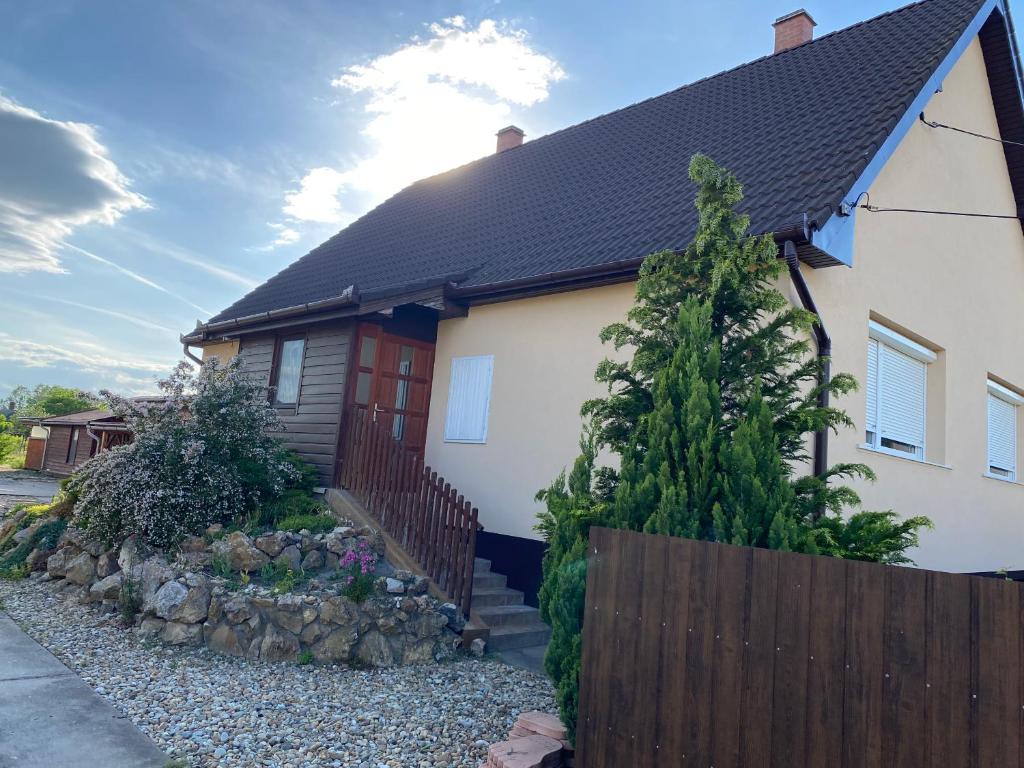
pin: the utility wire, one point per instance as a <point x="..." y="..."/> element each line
<point x="934" y="124"/>
<point x="879" y="209"/>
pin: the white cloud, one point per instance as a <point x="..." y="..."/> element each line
<point x="285" y="235"/>
<point x="317" y="196"/>
<point x="89" y="357"/>
<point x="54" y="176"/>
<point x="433" y="104"/>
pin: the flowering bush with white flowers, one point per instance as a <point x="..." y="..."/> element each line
<point x="202" y="454"/>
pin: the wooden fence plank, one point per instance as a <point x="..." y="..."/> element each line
<point x="696" y="715"/>
<point x="826" y="662"/>
<point x="789" y="710"/>
<point x="903" y="687"/>
<point x="734" y="565"/>
<point x="759" y="662"/>
<point x="998" y="702"/>
<point x="948" y="670"/>
<point x="651" y="597"/>
<point x="862" y="709"/>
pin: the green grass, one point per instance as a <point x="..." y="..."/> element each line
<point x="312" y="523"/>
<point x="304" y="658"/>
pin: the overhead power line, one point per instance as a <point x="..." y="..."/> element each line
<point x="880" y="209"/>
<point x="934" y="124"/>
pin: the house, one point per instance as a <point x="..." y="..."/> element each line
<point x="464" y="311"/>
<point x="62" y="444"/>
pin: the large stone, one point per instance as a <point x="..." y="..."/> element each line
<point x="196" y="604"/>
<point x="224" y="639"/>
<point x="313" y="561"/>
<point x="106" y="564"/>
<point x="478" y="647"/>
<point x="394" y="586"/>
<point x="177" y="633"/>
<point x="238" y="609"/>
<point x="132" y="554"/>
<point x="80" y="539"/>
<point x="238" y="550"/>
<point x="272" y="543"/>
<point x="338" y="610"/>
<point x="37" y="558"/>
<point x="193" y="544"/>
<point x="291" y="557"/>
<point x="453" y="614"/>
<point x="290" y="620"/>
<point x="337" y="646"/>
<point x="168" y="599"/>
<point x="56" y="564"/>
<point x="81" y="569"/>
<point x="155" y="573"/>
<point x="421" y="652"/>
<point x="278" y="645"/>
<point x="151" y="626"/>
<point x="313" y="632"/>
<point x="106" y="589"/>
<point x="375" y="650"/>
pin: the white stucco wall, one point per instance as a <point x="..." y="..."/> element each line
<point x="955" y="283"/>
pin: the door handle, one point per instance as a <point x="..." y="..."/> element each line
<point x="376" y="409"/>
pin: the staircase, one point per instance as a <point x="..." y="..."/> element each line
<point x="517" y="633"/>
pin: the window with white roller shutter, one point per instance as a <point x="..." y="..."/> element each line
<point x="897" y="393"/>
<point x="469" y="399"/>
<point x="1003" y="406"/>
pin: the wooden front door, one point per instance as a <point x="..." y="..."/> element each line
<point x="392" y="382"/>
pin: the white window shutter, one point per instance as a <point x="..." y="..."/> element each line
<point x="871" y="422"/>
<point x="1002" y="435"/>
<point x="902" y="385"/>
<point x="469" y="399"/>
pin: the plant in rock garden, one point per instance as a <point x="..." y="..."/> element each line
<point x="203" y="455"/>
<point x="356" y="568"/>
<point x="709" y="419"/>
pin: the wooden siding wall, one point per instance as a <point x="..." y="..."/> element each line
<point x="312" y="430"/>
<point x="57" y="450"/>
<point x="712" y="655"/>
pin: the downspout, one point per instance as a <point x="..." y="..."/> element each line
<point x="190" y="356"/>
<point x="824" y="344"/>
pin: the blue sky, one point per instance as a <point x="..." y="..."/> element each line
<point x="160" y="159"/>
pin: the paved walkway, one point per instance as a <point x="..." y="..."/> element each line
<point x="50" y="718"/>
<point x="20" y="482"/>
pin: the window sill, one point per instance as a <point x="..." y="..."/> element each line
<point x="1001" y="479"/>
<point x="465" y="442"/>
<point x="896" y="455"/>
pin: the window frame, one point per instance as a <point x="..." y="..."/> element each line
<point x="73" y="439"/>
<point x="275" y="370"/>
<point x="896" y="342"/>
<point x="996" y="390"/>
<point x="482" y="440"/>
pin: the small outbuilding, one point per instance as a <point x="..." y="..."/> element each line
<point x="61" y="444"/>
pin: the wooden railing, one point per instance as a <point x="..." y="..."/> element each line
<point x="428" y="518"/>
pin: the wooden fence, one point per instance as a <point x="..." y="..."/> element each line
<point x="700" y="654"/>
<point x="430" y="520"/>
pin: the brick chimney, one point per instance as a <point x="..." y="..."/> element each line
<point x="793" y="29"/>
<point x="509" y="138"/>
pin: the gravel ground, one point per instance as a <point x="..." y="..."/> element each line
<point x="219" y="711"/>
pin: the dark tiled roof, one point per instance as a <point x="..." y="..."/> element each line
<point x="797" y="128"/>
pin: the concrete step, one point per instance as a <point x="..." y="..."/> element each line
<point x="510" y="637"/>
<point x="488" y="580"/>
<point x="484" y="598"/>
<point x="507" y="615"/>
<point x="480" y="565"/>
<point x="530" y="657"/>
